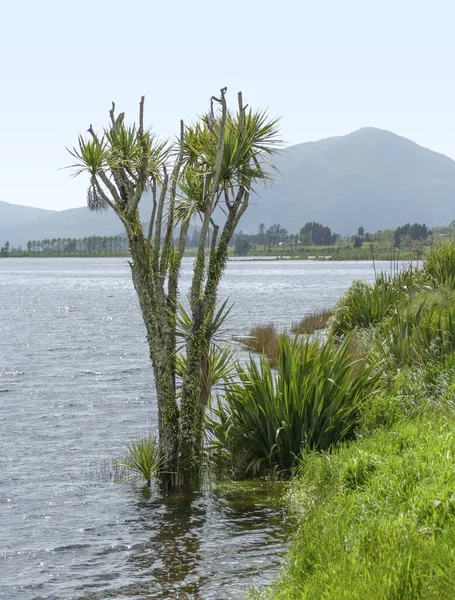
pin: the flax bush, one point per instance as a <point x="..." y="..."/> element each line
<point x="311" y="401"/>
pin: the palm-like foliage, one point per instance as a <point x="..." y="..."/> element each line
<point x="141" y="154"/>
<point x="311" y="401"/>
<point x="249" y="138"/>
<point x="144" y="460"/>
<point x="90" y="156"/>
<point x="213" y="325"/>
<point x="123" y="155"/>
<point x="217" y="364"/>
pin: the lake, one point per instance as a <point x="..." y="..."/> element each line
<point x="76" y="386"/>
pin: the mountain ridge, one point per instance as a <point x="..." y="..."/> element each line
<point x="370" y="177"/>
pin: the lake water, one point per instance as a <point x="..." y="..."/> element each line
<point x="76" y="385"/>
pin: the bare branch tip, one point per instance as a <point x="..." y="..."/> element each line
<point x="141" y="115"/>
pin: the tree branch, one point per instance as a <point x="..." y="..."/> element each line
<point x="170" y="216"/>
<point x="196" y="286"/>
<point x="220" y="146"/>
<point x="158" y="223"/>
<point x="112" y="113"/>
<point x="141" y="116"/>
<point x="175" y="270"/>
<point x="141" y="182"/>
<point x="104" y="178"/>
<point x="152" y="216"/>
<point x="115" y="208"/>
<point x="214" y="235"/>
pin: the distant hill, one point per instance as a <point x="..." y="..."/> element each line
<point x="13" y="214"/>
<point x="71" y="223"/>
<point x="370" y="178"/>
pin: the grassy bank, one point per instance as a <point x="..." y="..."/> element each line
<point x="377" y="516"/>
<point x="376" y="510"/>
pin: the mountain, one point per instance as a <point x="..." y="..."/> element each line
<point x="71" y="223"/>
<point x="13" y="214"/>
<point x="371" y="178"/>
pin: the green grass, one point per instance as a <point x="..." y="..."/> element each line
<point x="440" y="265"/>
<point x="365" y="305"/>
<point x="377" y="518"/>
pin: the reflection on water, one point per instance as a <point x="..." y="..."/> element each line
<point x="212" y="545"/>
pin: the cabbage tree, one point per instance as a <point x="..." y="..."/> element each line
<point x="208" y="174"/>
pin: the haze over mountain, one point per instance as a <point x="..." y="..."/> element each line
<point x="12" y="214"/>
<point x="71" y="223"/>
<point x="370" y="178"/>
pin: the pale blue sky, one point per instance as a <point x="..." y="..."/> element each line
<point x="327" y="67"/>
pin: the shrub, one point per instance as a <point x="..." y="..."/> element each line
<point x="311" y="401"/>
<point x="364" y="305"/>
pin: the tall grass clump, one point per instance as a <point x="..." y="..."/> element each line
<point x="365" y="305"/>
<point x="311" y="401"/>
<point x="264" y="340"/>
<point x="439" y="265"/>
<point x="313" y="322"/>
<point x="143" y="460"/>
<point x="416" y="336"/>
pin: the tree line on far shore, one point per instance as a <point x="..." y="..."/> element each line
<point x="315" y="234"/>
<point x="266" y="239"/>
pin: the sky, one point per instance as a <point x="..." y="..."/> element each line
<point x="326" y="67"/>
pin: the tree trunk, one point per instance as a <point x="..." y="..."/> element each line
<point x="192" y="413"/>
<point x="168" y="419"/>
<point x="161" y="341"/>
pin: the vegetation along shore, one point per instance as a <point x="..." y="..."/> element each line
<point x="363" y="422"/>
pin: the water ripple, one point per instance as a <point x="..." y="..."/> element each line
<point x="76" y="385"/>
